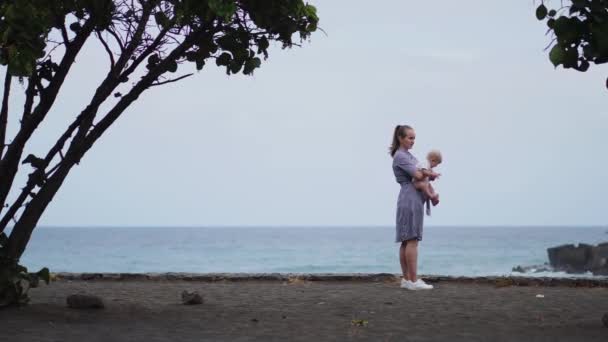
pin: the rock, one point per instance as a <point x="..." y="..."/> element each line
<point x="570" y="258"/>
<point x="532" y="269"/>
<point x="82" y="301"/>
<point x="580" y="259"/>
<point x="518" y="269"/>
<point x="191" y="298"/>
<point x="598" y="264"/>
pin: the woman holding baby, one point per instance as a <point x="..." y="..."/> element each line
<point x="415" y="191"/>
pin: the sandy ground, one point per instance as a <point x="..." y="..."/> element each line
<point x="142" y="310"/>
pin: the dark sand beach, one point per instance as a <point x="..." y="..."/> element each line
<point x="297" y="309"/>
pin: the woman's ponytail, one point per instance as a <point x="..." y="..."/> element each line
<point x="400" y="132"/>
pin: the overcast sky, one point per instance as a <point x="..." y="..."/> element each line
<point x="304" y="141"/>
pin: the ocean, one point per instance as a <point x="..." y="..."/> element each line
<point x="453" y="251"/>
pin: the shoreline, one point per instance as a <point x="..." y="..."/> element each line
<point x="324" y="277"/>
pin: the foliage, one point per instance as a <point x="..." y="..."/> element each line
<point x="15" y="280"/>
<point x="579" y="30"/>
<point x="147" y="43"/>
<point x="246" y="28"/>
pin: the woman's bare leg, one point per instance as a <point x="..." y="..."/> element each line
<point x="411" y="257"/>
<point x="402" y="261"/>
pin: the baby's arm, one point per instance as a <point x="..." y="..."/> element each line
<point x="428" y="174"/>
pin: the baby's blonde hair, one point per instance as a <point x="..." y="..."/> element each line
<point x="434" y="154"/>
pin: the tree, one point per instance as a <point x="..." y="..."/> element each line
<point x="579" y="32"/>
<point x="147" y="42"/>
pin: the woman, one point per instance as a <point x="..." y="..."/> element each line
<point x="410" y="206"/>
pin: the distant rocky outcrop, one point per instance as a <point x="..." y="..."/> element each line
<point x="580" y="259"/>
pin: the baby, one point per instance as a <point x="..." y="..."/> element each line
<point x="433" y="158"/>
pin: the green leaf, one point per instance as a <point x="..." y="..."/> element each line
<point x="235" y="67"/>
<point x="228" y="42"/>
<point x="251" y="65"/>
<point x="541" y="12"/>
<point x="359" y="322"/>
<point x="153" y="59"/>
<point x="33" y="281"/>
<point x="223" y="59"/>
<point x="75" y="27"/>
<point x="223" y="8"/>
<point x="200" y="63"/>
<point x="172" y="66"/>
<point x="583" y="66"/>
<point x="21" y="269"/>
<point x="191" y="56"/>
<point x="257" y="62"/>
<point x="571" y="58"/>
<point x="45" y="275"/>
<point x="557" y="55"/>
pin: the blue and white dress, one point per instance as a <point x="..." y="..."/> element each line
<point x="410" y="204"/>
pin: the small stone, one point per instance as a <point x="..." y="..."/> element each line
<point x="191" y="298"/>
<point x="605" y="320"/>
<point x="82" y="301"/>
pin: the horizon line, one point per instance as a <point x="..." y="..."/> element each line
<point x="330" y="226"/>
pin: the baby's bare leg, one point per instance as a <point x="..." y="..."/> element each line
<point x="423" y="186"/>
<point x="419" y="185"/>
<point x="433" y="195"/>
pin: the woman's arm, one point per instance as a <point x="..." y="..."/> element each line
<point x="408" y="165"/>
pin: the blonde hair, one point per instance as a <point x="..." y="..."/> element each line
<point x="434" y="154"/>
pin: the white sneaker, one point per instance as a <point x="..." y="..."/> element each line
<point x="406" y="284"/>
<point x="421" y="285"/>
<point x="414" y="286"/>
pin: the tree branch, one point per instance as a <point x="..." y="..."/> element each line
<point x="118" y="39"/>
<point x="30" y="93"/>
<point x="134" y="93"/>
<point x="111" y="81"/>
<point x="64" y="34"/>
<point x="12" y="210"/>
<point x="146" y="52"/>
<point x="171" y="80"/>
<point x="105" y="45"/>
<point x="10" y="163"/>
<point x="4" y="112"/>
<point x="38" y="174"/>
